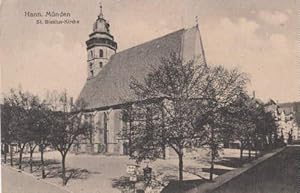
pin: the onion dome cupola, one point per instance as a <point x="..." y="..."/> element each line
<point x="100" y="46"/>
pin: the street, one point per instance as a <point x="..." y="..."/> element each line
<point x="15" y="182"/>
<point x="278" y="174"/>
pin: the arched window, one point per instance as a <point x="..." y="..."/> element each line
<point x="92" y="73"/>
<point x="100" y="53"/>
<point x="91" y="65"/>
<point x="92" y="54"/>
<point x="101" y="64"/>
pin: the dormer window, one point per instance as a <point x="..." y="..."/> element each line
<point x="101" y="64"/>
<point x="101" y="53"/>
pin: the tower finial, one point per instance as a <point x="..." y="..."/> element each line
<point x="101" y="13"/>
<point x="196" y="20"/>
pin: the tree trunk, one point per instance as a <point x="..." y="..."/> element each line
<point x="64" y="169"/>
<point x="5" y="157"/>
<point x="241" y="153"/>
<point x="249" y="152"/>
<point x="164" y="151"/>
<point x="5" y="151"/>
<point x="11" y="155"/>
<point x="21" y="155"/>
<point x="180" y="157"/>
<point x="213" y="153"/>
<point x="30" y="160"/>
<point x="42" y="161"/>
<point x="20" y="158"/>
<point x="211" y="171"/>
<point x="32" y="148"/>
<point x="63" y="164"/>
<point x="255" y="147"/>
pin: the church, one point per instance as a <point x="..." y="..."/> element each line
<point x="109" y="73"/>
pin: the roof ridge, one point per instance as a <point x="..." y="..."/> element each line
<point x="111" y="84"/>
<point x="128" y="49"/>
<point x="146" y="42"/>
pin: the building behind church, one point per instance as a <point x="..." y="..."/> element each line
<point x="109" y="74"/>
<point x="287" y="117"/>
<point x="290" y="118"/>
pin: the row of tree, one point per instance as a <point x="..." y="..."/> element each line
<point x="178" y="105"/>
<point x="185" y="105"/>
<point x="28" y="121"/>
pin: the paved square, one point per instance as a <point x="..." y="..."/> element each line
<point x="102" y="174"/>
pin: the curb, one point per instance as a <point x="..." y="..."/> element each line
<point x="37" y="178"/>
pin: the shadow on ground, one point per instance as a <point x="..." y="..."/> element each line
<point x="196" y="171"/>
<point x="216" y="171"/>
<point x="233" y="162"/>
<point x="183" y="186"/>
<point x="52" y="169"/>
<point x="124" y="184"/>
<point x="74" y="173"/>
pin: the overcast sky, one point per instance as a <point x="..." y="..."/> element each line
<point x="257" y="36"/>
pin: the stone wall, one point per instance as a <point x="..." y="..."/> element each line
<point x="106" y="127"/>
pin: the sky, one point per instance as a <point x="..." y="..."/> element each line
<point x="257" y="36"/>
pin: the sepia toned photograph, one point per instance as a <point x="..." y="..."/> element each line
<point x="150" y="96"/>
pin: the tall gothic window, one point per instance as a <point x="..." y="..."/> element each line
<point x="100" y="53"/>
<point x="105" y="120"/>
<point x="101" y="64"/>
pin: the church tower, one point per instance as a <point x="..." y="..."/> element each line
<point x="100" y="46"/>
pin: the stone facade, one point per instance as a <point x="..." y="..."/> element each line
<point x="105" y="137"/>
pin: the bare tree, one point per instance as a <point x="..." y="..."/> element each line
<point x="265" y="128"/>
<point x="40" y="131"/>
<point x="165" y="109"/>
<point x="65" y="128"/>
<point x="6" y="130"/>
<point x="241" y="121"/>
<point x="21" y="103"/>
<point x="223" y="88"/>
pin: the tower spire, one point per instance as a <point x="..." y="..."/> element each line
<point x="101" y="13"/>
<point x="100" y="45"/>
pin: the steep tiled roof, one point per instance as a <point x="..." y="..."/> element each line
<point x="111" y="86"/>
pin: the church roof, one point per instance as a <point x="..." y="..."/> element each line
<point x="111" y="86"/>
